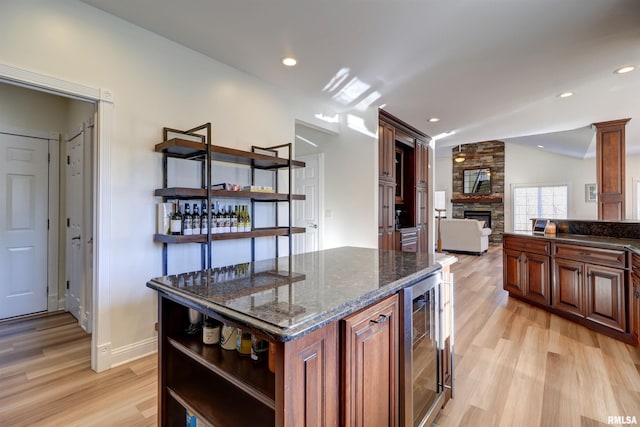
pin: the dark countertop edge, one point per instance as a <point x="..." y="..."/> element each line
<point x="600" y="241"/>
<point x="307" y="326"/>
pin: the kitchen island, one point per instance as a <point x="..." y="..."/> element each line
<point x="336" y="322"/>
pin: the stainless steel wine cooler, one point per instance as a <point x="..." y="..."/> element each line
<point x="426" y="351"/>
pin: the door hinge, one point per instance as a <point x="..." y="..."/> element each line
<point x="68" y="160"/>
<point x="68" y="222"/>
<point x="67" y="284"/>
<point x="48" y="224"/>
<point x="49" y="157"/>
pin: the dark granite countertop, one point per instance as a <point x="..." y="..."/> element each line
<point x="599" y="241"/>
<point x="289" y="297"/>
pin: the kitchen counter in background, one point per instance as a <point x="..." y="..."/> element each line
<point x="591" y="240"/>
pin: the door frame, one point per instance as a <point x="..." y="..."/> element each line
<point x="103" y="98"/>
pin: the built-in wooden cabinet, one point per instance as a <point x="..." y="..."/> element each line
<point x="610" y="169"/>
<point x="588" y="284"/>
<point x="370" y="366"/>
<point x="403" y="157"/>
<point x="526" y="269"/>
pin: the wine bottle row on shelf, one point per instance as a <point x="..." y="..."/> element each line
<point x="190" y="220"/>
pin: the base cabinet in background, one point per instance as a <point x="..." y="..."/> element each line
<point x="635" y="299"/>
<point x="526" y="269"/>
<point x="590" y="285"/>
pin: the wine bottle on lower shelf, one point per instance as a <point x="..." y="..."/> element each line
<point x="204" y="219"/>
<point x="234" y="220"/>
<point x="175" y="226"/>
<point x="247" y="220"/>
<point x="195" y="225"/>
<point x="187" y="221"/>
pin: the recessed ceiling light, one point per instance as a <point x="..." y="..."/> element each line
<point x="433" y="119"/>
<point x="565" y="94"/>
<point x="540" y="146"/>
<point x="625" y="69"/>
<point x="289" y="61"/>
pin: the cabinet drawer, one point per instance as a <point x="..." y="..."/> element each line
<point x="610" y="257"/>
<point x="526" y="244"/>
<point x="410" y="246"/>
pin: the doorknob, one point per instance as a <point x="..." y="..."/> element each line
<point x="313" y="226"/>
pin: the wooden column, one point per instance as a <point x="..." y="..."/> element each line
<point x="610" y="162"/>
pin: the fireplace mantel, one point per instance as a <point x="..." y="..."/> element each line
<point x="477" y="199"/>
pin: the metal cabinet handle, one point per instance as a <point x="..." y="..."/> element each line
<point x="381" y="319"/>
<point x="75" y="238"/>
<point x="637" y="293"/>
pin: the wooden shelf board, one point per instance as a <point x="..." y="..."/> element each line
<point x="202" y="238"/>
<point x="220" y="406"/>
<point x="201" y="193"/>
<point x="253" y="378"/>
<point x="182" y="148"/>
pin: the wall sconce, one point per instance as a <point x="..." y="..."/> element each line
<point x="460" y="157"/>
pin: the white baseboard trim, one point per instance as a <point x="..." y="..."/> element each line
<point x="133" y="351"/>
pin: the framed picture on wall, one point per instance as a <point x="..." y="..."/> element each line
<point x="590" y="193"/>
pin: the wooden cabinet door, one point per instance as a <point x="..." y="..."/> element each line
<point x="511" y="272"/>
<point x="386" y="151"/>
<point x="421" y="218"/>
<point x="422" y="164"/>
<point x="370" y="366"/>
<point x="536" y="278"/>
<point x="386" y="218"/>
<point x="307" y="390"/>
<point x="605" y="299"/>
<point x="567" y="287"/>
<point x="635" y="310"/>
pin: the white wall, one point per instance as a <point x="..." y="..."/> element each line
<point x="157" y="83"/>
<point x="350" y="182"/>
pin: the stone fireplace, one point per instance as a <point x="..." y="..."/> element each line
<point x="489" y="154"/>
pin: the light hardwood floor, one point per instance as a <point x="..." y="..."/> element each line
<point x="516" y="365"/>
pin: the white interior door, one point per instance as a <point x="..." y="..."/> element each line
<point x="308" y="213"/>
<point x="79" y="208"/>
<point x="23" y="224"/>
<point x="74" y="240"/>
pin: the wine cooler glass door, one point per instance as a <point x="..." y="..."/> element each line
<point x="425" y="356"/>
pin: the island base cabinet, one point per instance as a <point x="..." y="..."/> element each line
<point x="370" y="366"/>
<point x="307" y="390"/>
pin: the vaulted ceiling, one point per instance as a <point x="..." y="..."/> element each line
<point x="487" y="69"/>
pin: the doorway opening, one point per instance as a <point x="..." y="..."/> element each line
<point x="41" y="207"/>
<point x="103" y="105"/>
